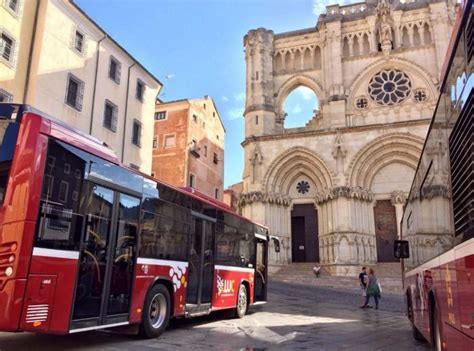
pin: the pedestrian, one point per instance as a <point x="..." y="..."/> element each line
<point x="363" y="280"/>
<point x="373" y="289"/>
<point x="317" y="270"/>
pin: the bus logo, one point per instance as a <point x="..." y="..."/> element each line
<point x="225" y="286"/>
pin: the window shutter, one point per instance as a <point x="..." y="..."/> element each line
<point x="67" y="86"/>
<point x="117" y="73"/>
<point x="110" y="66"/>
<point x="80" y="96"/>
<point x="114" y="119"/>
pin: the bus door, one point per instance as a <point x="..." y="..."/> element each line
<point x="108" y="250"/>
<point x="201" y="264"/>
<point x="261" y="269"/>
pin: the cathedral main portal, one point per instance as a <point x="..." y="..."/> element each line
<point x="304" y="233"/>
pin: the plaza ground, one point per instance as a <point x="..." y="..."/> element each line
<point x="297" y="317"/>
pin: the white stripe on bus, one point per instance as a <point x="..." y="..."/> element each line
<point x="39" y="251"/>
<point x="235" y="269"/>
<point x="456" y="253"/>
<point x="154" y="261"/>
<point x="98" y="327"/>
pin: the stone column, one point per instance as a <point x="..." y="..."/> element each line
<point x="398" y="199"/>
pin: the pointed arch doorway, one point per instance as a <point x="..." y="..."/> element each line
<point x="304" y="233"/>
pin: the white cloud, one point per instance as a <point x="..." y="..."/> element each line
<point x="296" y="110"/>
<point x="170" y="76"/>
<point x="235" y="113"/>
<point x="306" y="93"/>
<point x="225" y="98"/>
<point x="239" y="96"/>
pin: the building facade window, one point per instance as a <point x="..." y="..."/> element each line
<point x="195" y="118"/>
<point x="115" y="68"/>
<point x="140" y="90"/>
<point x="216" y="193"/>
<point x="74" y="92"/>
<point x="12" y="6"/>
<point x="160" y="115"/>
<point x="79" y="41"/>
<point x="155" y="142"/>
<point x="215" y="159"/>
<point x="170" y="140"/>
<point x="137" y="133"/>
<point x="389" y="87"/>
<point x="5" y="96"/>
<point x="110" y="116"/>
<point x="192" y="180"/>
<point x="205" y="150"/>
<point x="7" y="48"/>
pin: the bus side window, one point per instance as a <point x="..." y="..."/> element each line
<point x="60" y="223"/>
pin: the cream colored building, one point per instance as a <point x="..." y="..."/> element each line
<point x="334" y="190"/>
<point x="73" y="70"/>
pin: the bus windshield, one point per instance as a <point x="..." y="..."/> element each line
<point x="8" y="136"/>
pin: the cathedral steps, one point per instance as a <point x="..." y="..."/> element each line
<point x="389" y="275"/>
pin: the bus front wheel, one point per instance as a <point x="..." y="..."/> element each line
<point x="242" y="304"/>
<point x="156" y="312"/>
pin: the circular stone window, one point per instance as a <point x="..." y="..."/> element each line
<point x="303" y="187"/>
<point x="420" y="95"/>
<point x="389" y="87"/>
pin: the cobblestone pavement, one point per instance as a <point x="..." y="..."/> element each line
<point x="297" y="317"/>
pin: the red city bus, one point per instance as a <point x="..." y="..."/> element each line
<point x="438" y="221"/>
<point x="86" y="243"/>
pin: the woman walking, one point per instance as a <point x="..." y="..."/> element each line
<point x="373" y="289"/>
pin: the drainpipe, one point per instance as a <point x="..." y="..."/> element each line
<point x="95" y="80"/>
<point x="126" y="111"/>
<point x="30" y="55"/>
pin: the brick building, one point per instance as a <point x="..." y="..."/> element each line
<point x="188" y="145"/>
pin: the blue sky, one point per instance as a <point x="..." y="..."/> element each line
<point x="195" y="48"/>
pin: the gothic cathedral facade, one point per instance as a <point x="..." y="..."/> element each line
<point x="334" y="190"/>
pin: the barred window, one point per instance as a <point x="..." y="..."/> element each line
<point x="7" y="47"/>
<point x="5" y="96"/>
<point x="140" y="90"/>
<point x="137" y="133"/>
<point x="79" y="41"/>
<point x="110" y="116"/>
<point x="115" y="68"/>
<point x="74" y="92"/>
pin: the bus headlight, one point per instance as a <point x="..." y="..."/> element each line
<point x="9" y="271"/>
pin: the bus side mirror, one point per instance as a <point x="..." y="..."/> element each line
<point x="401" y="249"/>
<point x="276" y="244"/>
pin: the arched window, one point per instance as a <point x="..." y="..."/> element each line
<point x="345" y="48"/>
<point x="307" y="59"/>
<point x="317" y="58"/>
<point x="288" y="65"/>
<point x="365" y="44"/>
<point x="356" y="46"/>
<point x="300" y="107"/>
<point x="416" y="36"/>
<point x="427" y="34"/>
<point x="278" y="62"/>
<point x="405" y="38"/>
<point x="297" y="60"/>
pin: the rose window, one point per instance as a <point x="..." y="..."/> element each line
<point x="389" y="87"/>
<point x="303" y="187"/>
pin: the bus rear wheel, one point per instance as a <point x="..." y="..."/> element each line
<point x="156" y="312"/>
<point x="242" y="304"/>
